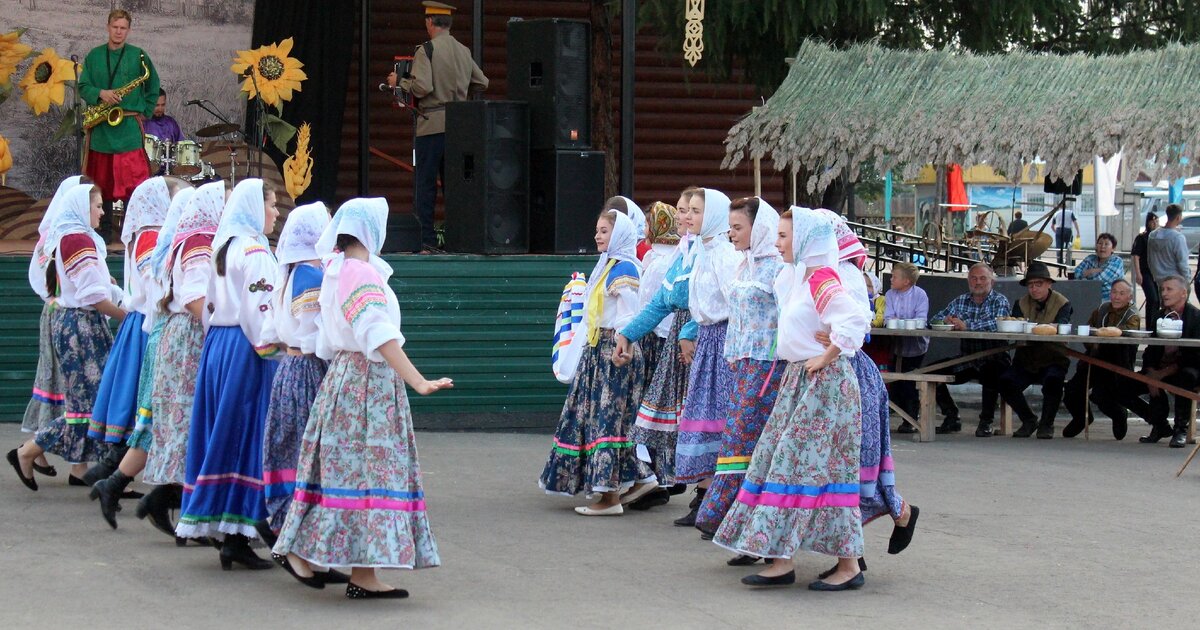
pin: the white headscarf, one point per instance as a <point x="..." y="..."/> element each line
<point x="813" y="245"/>
<point x="74" y="217"/>
<point x="39" y="262"/>
<point x="244" y="215"/>
<point x="148" y="207"/>
<point x="711" y="252"/>
<point x="300" y="233"/>
<point x="762" y="238"/>
<point x="365" y="220"/>
<point x="622" y="245"/>
<point x="635" y="214"/>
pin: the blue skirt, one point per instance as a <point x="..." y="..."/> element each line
<point x="115" y="411"/>
<point x="706" y="408"/>
<point x="223" y="487"/>
<point x="292" y="394"/>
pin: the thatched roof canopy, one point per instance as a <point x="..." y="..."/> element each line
<point x="902" y="109"/>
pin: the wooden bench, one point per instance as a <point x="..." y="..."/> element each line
<point x="927" y="411"/>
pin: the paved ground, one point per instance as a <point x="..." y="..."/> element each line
<point x="1013" y="534"/>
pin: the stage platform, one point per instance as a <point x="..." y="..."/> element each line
<point x="485" y="321"/>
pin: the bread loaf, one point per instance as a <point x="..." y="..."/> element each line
<point x="1045" y="329"/>
<point x="1108" y="331"/>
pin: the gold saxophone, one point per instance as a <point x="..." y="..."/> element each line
<point x="114" y="114"/>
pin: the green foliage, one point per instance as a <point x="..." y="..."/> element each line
<point x="758" y="35"/>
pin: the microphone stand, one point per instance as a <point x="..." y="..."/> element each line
<point x="220" y="115"/>
<point x="260" y="123"/>
<point x="78" y="116"/>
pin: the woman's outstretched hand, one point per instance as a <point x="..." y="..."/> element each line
<point x="427" y="387"/>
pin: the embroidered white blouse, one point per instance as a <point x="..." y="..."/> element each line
<point x="242" y="297"/>
<point x="843" y="317"/>
<point x="83" y="278"/>
<point x="367" y="314"/>
<point x="298" y="325"/>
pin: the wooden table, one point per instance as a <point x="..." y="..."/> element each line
<point x="926" y="385"/>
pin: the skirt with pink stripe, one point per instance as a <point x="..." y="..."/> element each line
<point x="710" y="388"/>
<point x="46" y="403"/>
<point x="292" y="393"/>
<point x="877" y="474"/>
<point x="801" y="491"/>
<point x="358" y="499"/>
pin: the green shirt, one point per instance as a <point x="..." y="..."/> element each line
<point x="105" y="69"/>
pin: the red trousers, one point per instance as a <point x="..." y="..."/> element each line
<point x="117" y="174"/>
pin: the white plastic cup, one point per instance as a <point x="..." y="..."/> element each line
<point x="910" y="324"/>
<point x="1064" y="329"/>
<point x="1084" y="330"/>
<point x="893" y="324"/>
<point x="1027" y="327"/>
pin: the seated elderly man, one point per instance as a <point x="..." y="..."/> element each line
<point x="1118" y="312"/>
<point x="1037" y="363"/>
<point x="976" y="310"/>
<point x="1169" y="364"/>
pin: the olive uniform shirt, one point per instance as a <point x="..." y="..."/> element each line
<point x="451" y="76"/>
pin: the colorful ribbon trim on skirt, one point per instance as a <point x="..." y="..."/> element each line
<point x="49" y="398"/>
<point x="733" y="465"/>
<point x="279" y="483"/>
<point x="651" y="417"/>
<point x="348" y="499"/>
<point x="235" y="479"/>
<point x="79" y="418"/>
<point x="799" y="496"/>
<point x="587" y="449"/>
<point x="868" y="476"/>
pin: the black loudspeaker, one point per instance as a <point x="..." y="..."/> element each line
<point x="1059" y="187"/>
<point x="403" y="234"/>
<point x="487" y="177"/>
<point x="549" y="65"/>
<point x="566" y="197"/>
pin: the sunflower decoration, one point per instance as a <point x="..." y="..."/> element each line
<point x="5" y="158"/>
<point x="45" y="81"/>
<point x="297" y="169"/>
<point x="277" y="74"/>
<point x="12" y="52"/>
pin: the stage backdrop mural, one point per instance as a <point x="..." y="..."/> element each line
<point x="192" y="44"/>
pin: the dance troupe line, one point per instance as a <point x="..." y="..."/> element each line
<point x="262" y="393"/>
<point x="721" y="345"/>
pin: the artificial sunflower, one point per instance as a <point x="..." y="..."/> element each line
<point x="45" y="81"/>
<point x="277" y="74"/>
<point x="5" y="156"/>
<point x="297" y="169"/>
<point x="12" y="52"/>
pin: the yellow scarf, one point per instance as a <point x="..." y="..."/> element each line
<point x="595" y="306"/>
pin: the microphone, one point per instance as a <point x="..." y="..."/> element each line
<point x="194" y="102"/>
<point x="248" y="71"/>
<point x="74" y="59"/>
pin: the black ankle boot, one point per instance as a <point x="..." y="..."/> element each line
<point x="690" y="519"/>
<point x="108" y="491"/>
<point x="101" y="470"/>
<point x="158" y="505"/>
<point x="237" y="549"/>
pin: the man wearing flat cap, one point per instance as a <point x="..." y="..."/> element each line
<point x="1037" y="363"/>
<point x="442" y="72"/>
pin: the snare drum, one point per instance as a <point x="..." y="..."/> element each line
<point x="187" y="158"/>
<point x="206" y="174"/>
<point x="154" y="150"/>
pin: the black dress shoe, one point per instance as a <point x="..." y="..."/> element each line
<point x="72" y="480"/>
<point x="1156" y="433"/>
<point x="49" y="471"/>
<point x="354" y="591"/>
<point x="651" y="499"/>
<point x="862" y="566"/>
<point x="901" y="536"/>
<point x="778" y="580"/>
<point x="678" y="488"/>
<point x="15" y="460"/>
<point x="852" y="584"/>
<point x="689" y="520"/>
<point x="984" y="429"/>
<point x="312" y="581"/>
<point x="236" y="550"/>
<point x="1045" y="431"/>
<point x="1179" y="440"/>
<point x="1120" y="428"/>
<point x="1026" y="430"/>
<point x="947" y="427"/>
<point x="905" y="427"/>
<point x="266" y="533"/>
<point x="1074" y="427"/>
<point x="742" y="560"/>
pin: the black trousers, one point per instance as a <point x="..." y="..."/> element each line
<point x="1153" y="301"/>
<point x="1065" y="239"/>
<point x="904" y="393"/>
<point x="1016" y="380"/>
<point x="431" y="153"/>
<point x="987" y="374"/>
<point x="1157" y="410"/>
<point x="1105" y="386"/>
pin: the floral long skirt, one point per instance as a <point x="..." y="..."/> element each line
<point x="652" y="348"/>
<point x="877" y="474"/>
<point x="46" y="402"/>
<point x="801" y="490"/>
<point x="292" y="394"/>
<point x="175" y="370"/>
<point x="756" y="386"/>
<point x="82" y="340"/>
<point x="359" y="500"/>
<point x="222" y="489"/>
<point x="115" y="411"/>
<point x="142" y="436"/>
<point x="592" y="449"/>
<point x="704" y="415"/>
<point x="657" y="422"/>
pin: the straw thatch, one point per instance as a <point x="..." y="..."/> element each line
<point x="902" y="109"/>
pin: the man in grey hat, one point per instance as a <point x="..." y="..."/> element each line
<point x="442" y="72"/>
<point x="1037" y="363"/>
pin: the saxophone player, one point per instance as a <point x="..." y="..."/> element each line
<point x="115" y="159"/>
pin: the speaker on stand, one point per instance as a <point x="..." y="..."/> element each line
<point x="549" y="65"/>
<point x="487" y="177"/>
<point x="566" y="196"/>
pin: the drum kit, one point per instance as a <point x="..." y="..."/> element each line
<point x="184" y="159"/>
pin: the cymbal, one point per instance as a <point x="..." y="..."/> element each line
<point x="219" y="129"/>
